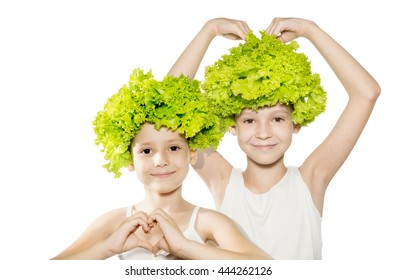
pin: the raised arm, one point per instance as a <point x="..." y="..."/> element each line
<point x="320" y="167"/>
<point x="210" y="166"/>
<point x="190" y="59"/>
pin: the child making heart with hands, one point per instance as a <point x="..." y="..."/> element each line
<point x="154" y="128"/>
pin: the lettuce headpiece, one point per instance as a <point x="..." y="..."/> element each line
<point x="174" y="103"/>
<point x="263" y="72"/>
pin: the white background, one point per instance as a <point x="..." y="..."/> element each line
<point x="61" y="60"/>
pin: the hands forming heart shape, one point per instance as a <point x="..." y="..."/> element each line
<point x="168" y="236"/>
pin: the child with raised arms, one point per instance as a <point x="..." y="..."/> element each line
<point x="264" y="91"/>
<point x="154" y="128"/>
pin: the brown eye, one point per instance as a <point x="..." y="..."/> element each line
<point x="146" y="151"/>
<point x="249" y="121"/>
<point x="174" y="148"/>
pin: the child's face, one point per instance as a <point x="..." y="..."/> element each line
<point x="161" y="158"/>
<point x="265" y="135"/>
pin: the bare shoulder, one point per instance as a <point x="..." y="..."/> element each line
<point x="207" y="213"/>
<point x="209" y="219"/>
<point x="207" y="222"/>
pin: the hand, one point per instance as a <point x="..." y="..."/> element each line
<point x="229" y="28"/>
<point x="172" y="235"/>
<point x="288" y="29"/>
<point x="124" y="238"/>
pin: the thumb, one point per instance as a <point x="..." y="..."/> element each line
<point x="232" y="36"/>
<point x="286" y="36"/>
<point x="161" y="245"/>
<point x="145" y="244"/>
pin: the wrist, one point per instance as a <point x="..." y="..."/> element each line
<point x="210" y="29"/>
<point x="184" y="251"/>
<point x="311" y="29"/>
<point x="104" y="250"/>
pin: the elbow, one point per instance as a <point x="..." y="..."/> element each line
<point x="370" y="93"/>
<point x="375" y="92"/>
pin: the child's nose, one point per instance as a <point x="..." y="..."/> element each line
<point x="160" y="159"/>
<point x="263" y="131"/>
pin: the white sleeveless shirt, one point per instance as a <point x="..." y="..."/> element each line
<point x="283" y="221"/>
<point x="143" y="254"/>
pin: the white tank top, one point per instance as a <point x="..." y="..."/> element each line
<point x="283" y="221"/>
<point x="143" y="254"/>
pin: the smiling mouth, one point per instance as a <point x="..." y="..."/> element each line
<point x="263" y="147"/>
<point x="163" y="174"/>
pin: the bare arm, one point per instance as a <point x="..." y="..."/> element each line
<point x="107" y="236"/>
<point x="214" y="227"/>
<point x="190" y="59"/>
<point x="235" y="244"/>
<point x="363" y="91"/>
<point x="211" y="166"/>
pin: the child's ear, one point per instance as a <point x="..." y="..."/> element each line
<point x="233" y="130"/>
<point x="131" y="167"/>
<point x="193" y="157"/>
<point x="297" y="128"/>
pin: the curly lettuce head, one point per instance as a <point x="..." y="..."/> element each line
<point x="263" y="72"/>
<point x="175" y="103"/>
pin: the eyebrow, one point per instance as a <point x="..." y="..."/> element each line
<point x="167" y="142"/>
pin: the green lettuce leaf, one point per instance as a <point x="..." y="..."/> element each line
<point x="263" y="72"/>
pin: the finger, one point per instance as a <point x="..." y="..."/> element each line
<point x="246" y="27"/>
<point x="274" y="27"/>
<point x="143" y="217"/>
<point x="231" y="36"/>
<point x="161" y="245"/>
<point x="161" y="218"/>
<point x="281" y="35"/>
<point x="269" y="29"/>
<point x="154" y="218"/>
<point x="157" y="213"/>
<point x="275" y="31"/>
<point x="140" y="214"/>
<point x="132" y="224"/>
<point x="241" y="34"/>
<point x="243" y="30"/>
<point x="286" y="36"/>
